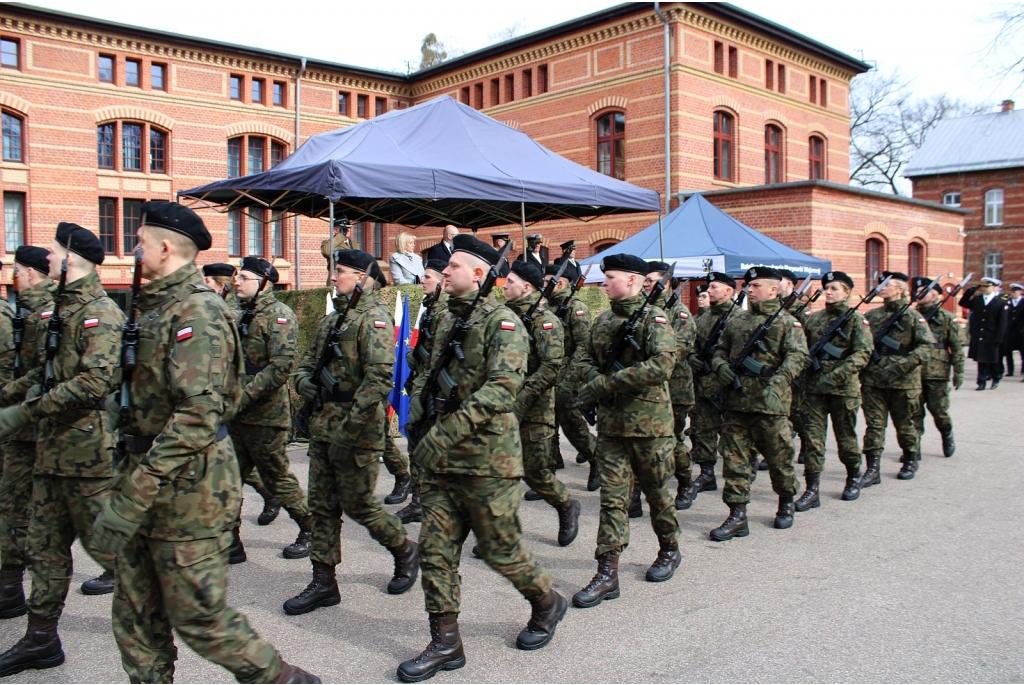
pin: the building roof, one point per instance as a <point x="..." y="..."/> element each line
<point x="828" y="185"/>
<point x="974" y="143"/>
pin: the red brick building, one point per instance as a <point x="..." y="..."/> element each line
<point x="99" y="116"/>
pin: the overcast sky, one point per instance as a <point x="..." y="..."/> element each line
<point x="941" y="46"/>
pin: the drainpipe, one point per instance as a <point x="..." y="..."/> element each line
<point x="668" y="126"/>
<point x="298" y="140"/>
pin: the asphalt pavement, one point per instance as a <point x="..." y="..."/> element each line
<point x="917" y="581"/>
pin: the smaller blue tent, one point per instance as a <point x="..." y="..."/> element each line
<point x="698" y="232"/>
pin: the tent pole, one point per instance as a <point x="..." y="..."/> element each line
<point x="522" y="214"/>
<point x="661" y="240"/>
<point x="330" y="234"/>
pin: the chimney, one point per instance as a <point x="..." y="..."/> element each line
<point x="1007" y="106"/>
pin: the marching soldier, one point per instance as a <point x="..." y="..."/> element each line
<point x="259" y="429"/>
<point x="634" y="426"/>
<point x="470" y="459"/>
<point x="789" y="283"/>
<point x="891" y="383"/>
<point x="397" y="464"/>
<point x="948" y="354"/>
<point x="833" y="391"/>
<point x="535" y="401"/>
<point x="74" y="468"/>
<point x="35" y="297"/>
<point x="347" y="434"/>
<point x="756" y="416"/>
<point x="987" y="326"/>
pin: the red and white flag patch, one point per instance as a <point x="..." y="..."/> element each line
<point x="508" y="326"/>
<point x="548" y="326"/>
<point x="580" y="312"/>
<point x="797" y="324"/>
<point x="865" y="322"/>
<point x="90" y="323"/>
<point x="683" y="315"/>
<point x="660" y="319"/>
<point x="46" y="315"/>
<point x="282" y="320"/>
<point x="922" y="321"/>
<point x="379" y="324"/>
<point x="184" y="333"/>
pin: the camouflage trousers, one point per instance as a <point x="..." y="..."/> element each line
<point x="344" y="484"/>
<point x="881" y="403"/>
<point x="817" y="410"/>
<point x="395" y="462"/>
<point x="650" y="461"/>
<point x="162" y="587"/>
<point x="254" y="481"/>
<point x="572" y="423"/>
<point x="265" y="448"/>
<point x="62" y="509"/>
<point x="798" y="420"/>
<point x="744" y="434"/>
<point x="539" y="463"/>
<point x="683" y="463"/>
<point x="705" y="427"/>
<point x="934" y="395"/>
<point x="16" y="502"/>
<point x="454" y="505"/>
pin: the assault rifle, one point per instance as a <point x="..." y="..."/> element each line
<point x="531" y="313"/>
<point x="930" y="316"/>
<point x="129" y="358"/>
<point x="330" y="351"/>
<point x="18" y="324"/>
<point x="673" y="299"/>
<point x="708" y="350"/>
<point x="745" y="361"/>
<point x="420" y="356"/>
<point x="563" y="309"/>
<point x="249" y="311"/>
<point x="882" y="338"/>
<point x="53" y="327"/>
<point x="440" y="387"/>
<point x="807" y="303"/>
<point x="626" y="337"/>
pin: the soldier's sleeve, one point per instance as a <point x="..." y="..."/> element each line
<point x="308" y="364"/>
<point x="283" y="348"/>
<point x="660" y="348"/>
<point x="6" y="346"/>
<point x="956" y="345"/>
<point x="923" y="342"/>
<point x="861" y="344"/>
<point x="723" y="350"/>
<point x="584" y="364"/>
<point x="377" y="357"/>
<point x="795" y="351"/>
<point x="686" y="332"/>
<point x="550" y="341"/>
<point x="99" y="345"/>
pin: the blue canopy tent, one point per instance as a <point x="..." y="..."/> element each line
<point x="700" y="237"/>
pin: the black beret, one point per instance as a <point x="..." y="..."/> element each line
<point x="719" y="277"/>
<point x="378" y="275"/>
<point x="480" y="250"/>
<point x="702" y="288"/>
<point x="837" y="277"/>
<point x="535" y="238"/>
<point x="218" y="269"/>
<point x="921" y="282"/>
<point x="80" y="241"/>
<point x="437" y="265"/>
<point x="568" y="245"/>
<point x="178" y="218"/>
<point x="354" y="259"/>
<point x="896" y="276"/>
<point x="529" y="272"/>
<point x="571" y="272"/>
<point x="789" y="276"/>
<point x="660" y="267"/>
<point x="34" y="257"/>
<point x="624" y="262"/>
<point x="261" y="267"/>
<point x="756" y="272"/>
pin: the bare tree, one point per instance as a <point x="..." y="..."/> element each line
<point x="1006" y="51"/>
<point x="432" y="51"/>
<point x="509" y="32"/>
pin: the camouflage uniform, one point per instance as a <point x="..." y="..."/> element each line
<point x="754" y="419"/>
<point x="634" y="422"/>
<point x="183" y="489"/>
<point x="260" y="428"/>
<point x="892" y="385"/>
<point x="947" y="353"/>
<point x="705" y="420"/>
<point x="395" y="462"/>
<point x="796" y="412"/>
<point x="535" y="401"/>
<point x="470" y="459"/>
<point x="567" y="404"/>
<point x="343" y="480"/>
<point x="680" y="387"/>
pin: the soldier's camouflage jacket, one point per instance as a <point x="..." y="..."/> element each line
<point x="482" y="430"/>
<point x="577" y="330"/>
<point x="638" y="404"/>
<point x="902" y="371"/>
<point x="269" y="351"/>
<point x="786" y="352"/>
<point x="535" y="402"/>
<point x="37" y="306"/>
<point x="680" y="385"/>
<point x="947" y="333"/>
<point x="838" y="377"/>
<point x="6" y="345"/>
<point x="367" y="344"/>
<point x="187" y="486"/>
<point x="706" y="384"/>
<point x="76" y="437"/>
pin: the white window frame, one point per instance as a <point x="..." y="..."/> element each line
<point x="994" y="265"/>
<point x="994" y="207"/>
<point x="947" y="199"/>
<point x="14" y="221"/>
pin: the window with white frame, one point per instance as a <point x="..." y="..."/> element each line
<point x="994" y="207"/>
<point x="951" y="199"/>
<point x="994" y="265"/>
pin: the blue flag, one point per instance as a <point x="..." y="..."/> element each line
<point x="399" y="398"/>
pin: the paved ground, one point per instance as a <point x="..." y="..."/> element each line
<point x="916" y="581"/>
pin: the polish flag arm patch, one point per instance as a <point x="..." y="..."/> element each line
<point x="682" y="315"/>
<point x="660" y="319"/>
<point x="184" y="334"/>
<point x="865" y="322"/>
<point x="508" y="325"/>
<point x="797" y="324"/>
<point x="46" y="315"/>
<point x="580" y="312"/>
<point x="922" y="321"/>
<point x="548" y="326"/>
<point x="282" y="320"/>
<point x="380" y="324"/>
<point x="90" y="323"/>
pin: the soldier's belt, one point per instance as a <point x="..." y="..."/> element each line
<point x="141" y="444"/>
<point x="252" y="369"/>
<point x="338" y="395"/>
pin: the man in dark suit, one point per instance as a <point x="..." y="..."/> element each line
<point x="533" y="251"/>
<point x="988" y="315"/>
<point x="568" y="252"/>
<point x="1014" y="341"/>
<point x="443" y="250"/>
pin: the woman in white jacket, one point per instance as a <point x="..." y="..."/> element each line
<point x="406" y="266"/>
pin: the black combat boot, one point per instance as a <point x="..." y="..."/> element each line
<point x="872" y="473"/>
<point x="559" y="462"/>
<point x="40" y="648"/>
<point x="948" y="446"/>
<point x="784" y="516"/>
<point x="763" y="464"/>
<point x="665" y="564"/>
<point x="852" y="489"/>
<point x="636" y="509"/>
<point x="322" y="591"/>
<point x="12" y="594"/>
<point x="443" y="653"/>
<point x="582" y="457"/>
<point x="401" y="490"/>
<point x="532" y="496"/>
<point x="811" y="498"/>
<point x="604" y="585"/>
<point x="735" y="526"/>
<point x="910" y="463"/>
<point x="236" y="552"/>
<point x="981" y="384"/>
<point x="303" y="544"/>
<point x="547" y="612"/>
<point x="594" y="477"/>
<point x="102" y="584"/>
<point x="705" y="482"/>
<point x="271" y="508"/>
<point x="568" y="521"/>
<point x="407" y="565"/>
<point x="412" y="512"/>
<point x="684" y="494"/>
<point x="294" y="674"/>
<point x="995" y="383"/>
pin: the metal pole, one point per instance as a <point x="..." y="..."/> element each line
<point x="522" y="213"/>
<point x="330" y="234"/>
<point x="298" y="141"/>
<point x="661" y="240"/>
<point x="668" y="127"/>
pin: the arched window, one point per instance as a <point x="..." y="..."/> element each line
<point x="915" y="260"/>
<point x="723" y="146"/>
<point x="611" y="145"/>
<point x="772" y="154"/>
<point x="13" y="138"/>
<point x="132" y="146"/>
<point x="874" y="261"/>
<point x="248" y="154"/>
<point x="816" y="158"/>
<point x="603" y="245"/>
